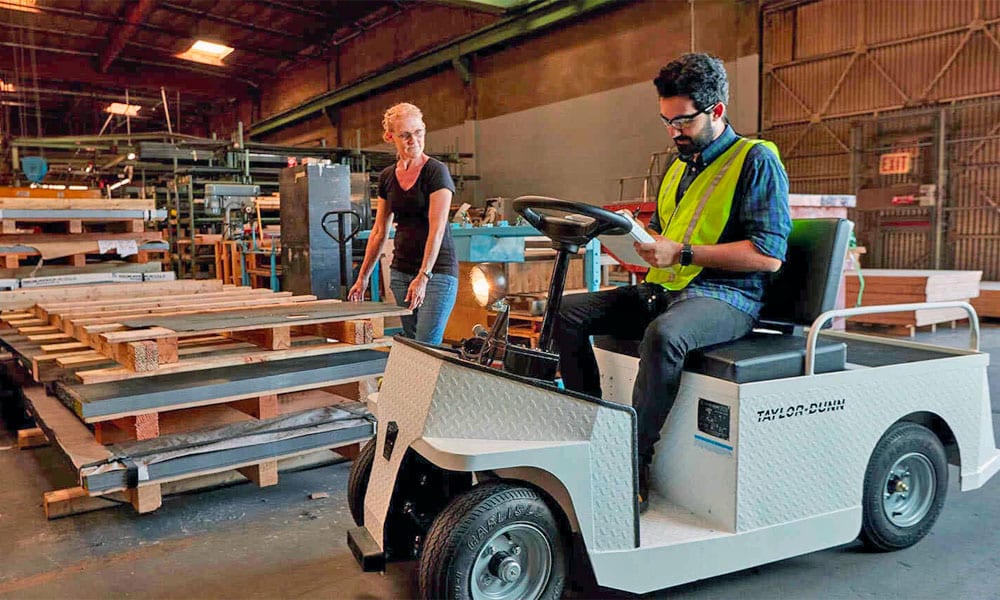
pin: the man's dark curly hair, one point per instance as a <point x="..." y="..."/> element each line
<point x="700" y="77"/>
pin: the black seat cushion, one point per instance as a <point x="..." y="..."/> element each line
<point x="763" y="356"/>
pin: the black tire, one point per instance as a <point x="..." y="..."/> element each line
<point x="905" y="487"/>
<point x="357" y="484"/>
<point x="463" y="539"/>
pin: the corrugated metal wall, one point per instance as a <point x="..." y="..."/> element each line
<point x="848" y="80"/>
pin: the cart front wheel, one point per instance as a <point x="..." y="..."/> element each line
<point x="905" y="487"/>
<point x="498" y="541"/>
<point x="357" y="483"/>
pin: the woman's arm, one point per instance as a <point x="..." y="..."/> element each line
<point x="373" y="249"/>
<point x="437" y="218"/>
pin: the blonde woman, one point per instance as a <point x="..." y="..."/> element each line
<point x="416" y="192"/>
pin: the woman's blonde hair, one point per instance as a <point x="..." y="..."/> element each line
<point x="397" y="111"/>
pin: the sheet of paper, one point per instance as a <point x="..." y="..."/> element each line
<point x="620" y="246"/>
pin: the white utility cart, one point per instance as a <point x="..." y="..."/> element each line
<point x="779" y="444"/>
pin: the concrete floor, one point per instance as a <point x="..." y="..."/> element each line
<point x="243" y="542"/>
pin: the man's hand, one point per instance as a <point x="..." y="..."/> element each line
<point x="661" y="252"/>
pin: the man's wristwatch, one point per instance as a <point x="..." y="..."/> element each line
<point x="428" y="274"/>
<point x="687" y="255"/>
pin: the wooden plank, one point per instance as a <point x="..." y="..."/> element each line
<point x="145" y="498"/>
<point x="263" y="407"/>
<point x="31" y="438"/>
<point x="165" y="308"/>
<point x="24" y="298"/>
<point x="306" y="313"/>
<point x="15" y="203"/>
<point x="76" y="500"/>
<point x="107" y="401"/>
<point x="274" y="338"/>
<point x="139" y="427"/>
<point x="64" y="428"/>
<point x="226" y="291"/>
<point x="205" y="363"/>
<point x="354" y="331"/>
<point x="263" y="474"/>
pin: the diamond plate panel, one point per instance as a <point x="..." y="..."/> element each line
<point x="611" y="481"/>
<point x="472" y="404"/>
<point x="803" y="463"/>
<point x="406" y="394"/>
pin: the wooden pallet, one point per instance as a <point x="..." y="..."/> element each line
<point x="20" y="226"/>
<point x="901" y="329"/>
<point x="899" y="286"/>
<point x="988" y="302"/>
<point x="18" y="300"/>
<point x="79" y="446"/>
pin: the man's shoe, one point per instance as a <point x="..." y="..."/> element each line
<point x="643" y="488"/>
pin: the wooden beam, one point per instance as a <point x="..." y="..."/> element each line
<point x="263" y="474"/>
<point x="135" y="14"/>
<point x="140" y="427"/>
<point x="145" y="498"/>
<point x="31" y="438"/>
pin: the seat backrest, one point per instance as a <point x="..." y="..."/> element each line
<point x="806" y="286"/>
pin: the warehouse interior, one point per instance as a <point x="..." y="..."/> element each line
<point x="200" y="399"/>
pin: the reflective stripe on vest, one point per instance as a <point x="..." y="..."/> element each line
<point x="703" y="211"/>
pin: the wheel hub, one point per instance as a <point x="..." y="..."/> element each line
<point x="505" y="567"/>
<point x="514" y="564"/>
<point x="909" y="490"/>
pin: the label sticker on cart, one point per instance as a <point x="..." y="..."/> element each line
<point x="713" y="418"/>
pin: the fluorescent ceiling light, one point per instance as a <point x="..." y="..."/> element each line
<point x="21" y="5"/>
<point x="7" y="87"/>
<point x="118" y="108"/>
<point x="208" y="53"/>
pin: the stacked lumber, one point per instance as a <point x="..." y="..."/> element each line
<point x="189" y="378"/>
<point x="900" y="286"/>
<point x="75" y="228"/>
<point x="988" y="302"/>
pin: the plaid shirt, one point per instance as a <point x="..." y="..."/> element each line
<point x="760" y="214"/>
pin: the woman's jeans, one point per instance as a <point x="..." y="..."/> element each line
<point x="427" y="323"/>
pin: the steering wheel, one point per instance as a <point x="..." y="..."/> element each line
<point x="570" y="223"/>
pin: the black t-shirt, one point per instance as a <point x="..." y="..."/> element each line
<point x="410" y="207"/>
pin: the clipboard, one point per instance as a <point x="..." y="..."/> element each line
<point x="620" y="246"/>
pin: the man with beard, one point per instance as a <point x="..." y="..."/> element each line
<point x="721" y="226"/>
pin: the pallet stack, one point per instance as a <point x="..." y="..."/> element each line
<point x="900" y="286"/>
<point x="988" y="302"/>
<point x="46" y="233"/>
<point x="184" y="379"/>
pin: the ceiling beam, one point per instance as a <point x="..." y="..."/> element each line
<point x="173" y="63"/>
<point x="75" y="66"/>
<point x="535" y="18"/>
<point x="493" y="7"/>
<point x="134" y="15"/>
<point x="232" y="22"/>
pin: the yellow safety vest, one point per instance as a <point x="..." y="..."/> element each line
<point x="703" y="212"/>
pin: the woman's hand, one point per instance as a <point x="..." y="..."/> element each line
<point x="416" y="292"/>
<point x="357" y="293"/>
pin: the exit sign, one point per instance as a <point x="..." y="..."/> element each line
<point x="895" y="163"/>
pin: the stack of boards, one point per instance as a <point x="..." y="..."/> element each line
<point x="144" y="386"/>
<point x="902" y="286"/>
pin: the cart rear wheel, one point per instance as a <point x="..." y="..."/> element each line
<point x="357" y="484"/>
<point x="498" y="541"/>
<point x="905" y="487"/>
